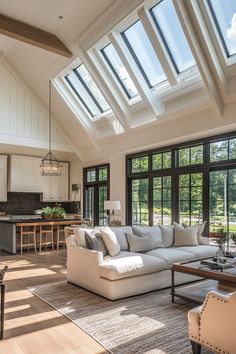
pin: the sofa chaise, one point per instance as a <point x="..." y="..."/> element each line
<point x="130" y="273"/>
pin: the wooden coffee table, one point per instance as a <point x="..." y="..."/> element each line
<point x="223" y="282"/>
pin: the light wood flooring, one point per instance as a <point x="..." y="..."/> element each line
<point x="31" y="325"/>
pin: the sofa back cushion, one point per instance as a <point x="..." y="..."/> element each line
<point x="185" y="236"/>
<point x="121" y="237"/>
<point x="153" y="230"/>
<point x="167" y="235"/>
<point x="110" y="240"/>
<point x="80" y="236"/>
<point x="95" y="242"/>
<point x="141" y="243"/>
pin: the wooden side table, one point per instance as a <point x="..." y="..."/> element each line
<point x="2" y="273"/>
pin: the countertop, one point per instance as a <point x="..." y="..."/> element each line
<point x="39" y="220"/>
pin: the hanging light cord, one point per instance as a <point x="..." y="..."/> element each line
<point x="50" y="116"/>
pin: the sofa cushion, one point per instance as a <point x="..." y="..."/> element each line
<point x="171" y="255"/>
<point x="167" y="235"/>
<point x="199" y="251"/>
<point x="153" y="230"/>
<point x="110" y="240"/>
<point x="95" y="242"/>
<point x="141" y="243"/>
<point x="199" y="233"/>
<point x="120" y="235"/>
<point x="129" y="264"/>
<point x="185" y="236"/>
<point x="80" y="236"/>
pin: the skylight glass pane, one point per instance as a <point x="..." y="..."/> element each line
<point x="143" y="53"/>
<point x="169" y="27"/>
<point x="91" y="85"/>
<point x="224" y="16"/>
<point x="119" y="70"/>
<point x="82" y="94"/>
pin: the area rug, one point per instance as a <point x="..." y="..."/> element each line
<point x="144" y="324"/>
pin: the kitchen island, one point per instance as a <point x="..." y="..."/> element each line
<point x="8" y="230"/>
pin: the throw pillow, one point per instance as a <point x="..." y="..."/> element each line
<point x="167" y="235"/>
<point x="110" y="240"/>
<point x="199" y="232"/>
<point x="140" y="243"/>
<point x="153" y="230"/>
<point x="185" y="236"/>
<point x="95" y="242"/>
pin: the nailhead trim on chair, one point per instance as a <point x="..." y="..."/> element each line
<point x="210" y="346"/>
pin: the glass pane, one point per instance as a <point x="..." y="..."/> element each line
<point x="184" y="194"/>
<point x="90" y="83"/>
<point x="89" y="200"/>
<point x="232" y="148"/>
<point x="184" y="157"/>
<point x="102" y="174"/>
<point x="196" y="155"/>
<point x="168" y="24"/>
<point x="157" y="195"/>
<point x="140" y="202"/>
<point x="84" y="97"/>
<point x="224" y="15"/>
<point x="157" y="162"/>
<point x="184" y="180"/>
<point x="119" y="70"/>
<point x="219" y="151"/>
<point x="143" y="52"/>
<point x="103" y="220"/>
<point x="196" y="179"/>
<point x="140" y="164"/>
<point x="91" y="176"/>
<point x="166" y="159"/>
<point x="167" y="182"/>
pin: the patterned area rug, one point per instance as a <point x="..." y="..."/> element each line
<point x="145" y="324"/>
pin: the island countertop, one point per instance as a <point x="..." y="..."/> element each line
<point x="38" y="220"/>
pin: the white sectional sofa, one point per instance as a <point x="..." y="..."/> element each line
<point x="127" y="273"/>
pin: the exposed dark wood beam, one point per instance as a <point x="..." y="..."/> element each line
<point x="32" y="35"/>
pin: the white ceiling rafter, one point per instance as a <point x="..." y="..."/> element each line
<point x="157" y="44"/>
<point x="104" y="89"/>
<point x="185" y="16"/>
<point x="152" y="102"/>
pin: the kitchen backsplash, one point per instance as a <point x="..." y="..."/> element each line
<point x="26" y="203"/>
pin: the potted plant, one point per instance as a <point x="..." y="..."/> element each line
<point x="57" y="212"/>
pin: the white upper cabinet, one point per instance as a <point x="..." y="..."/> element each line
<point x="25" y="174"/>
<point x="3" y="178"/>
<point x="55" y="188"/>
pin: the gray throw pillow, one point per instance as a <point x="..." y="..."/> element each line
<point x="141" y="243"/>
<point x="153" y="230"/>
<point x="94" y="241"/>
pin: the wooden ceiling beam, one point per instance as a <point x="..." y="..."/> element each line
<point x="32" y="35"/>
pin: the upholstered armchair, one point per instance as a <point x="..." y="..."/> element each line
<point x="213" y="325"/>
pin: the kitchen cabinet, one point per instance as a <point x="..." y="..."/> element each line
<point x="24" y="174"/>
<point x="3" y="178"/>
<point x="55" y="188"/>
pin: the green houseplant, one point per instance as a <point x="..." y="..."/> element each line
<point x="57" y="212"/>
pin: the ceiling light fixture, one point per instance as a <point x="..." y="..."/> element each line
<point x="50" y="166"/>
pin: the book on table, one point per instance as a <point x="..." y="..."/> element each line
<point x="216" y="265"/>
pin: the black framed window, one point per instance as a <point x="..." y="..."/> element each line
<point x="117" y="67"/>
<point x="188" y="183"/>
<point x="96" y="191"/>
<point x="143" y="53"/>
<point x="87" y="91"/>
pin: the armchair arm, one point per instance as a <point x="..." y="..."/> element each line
<point x="218" y="322"/>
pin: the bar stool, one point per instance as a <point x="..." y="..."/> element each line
<point x="60" y="235"/>
<point x="46" y="235"/>
<point x="27" y="235"/>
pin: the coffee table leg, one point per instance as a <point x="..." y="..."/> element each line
<point x="2" y="309"/>
<point x="172" y="285"/>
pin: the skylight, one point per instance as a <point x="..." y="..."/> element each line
<point x="118" y="69"/>
<point x="224" y="16"/>
<point x="143" y="53"/>
<point x="168" y="25"/>
<point x="87" y="91"/>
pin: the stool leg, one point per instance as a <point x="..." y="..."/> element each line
<point x="40" y="239"/>
<point x="52" y="239"/>
<point x="2" y="309"/>
<point x="21" y="240"/>
<point x="58" y="236"/>
<point x="35" y="249"/>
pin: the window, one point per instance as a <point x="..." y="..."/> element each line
<point x="224" y="17"/>
<point x="168" y="25"/>
<point x="162" y="200"/>
<point x="143" y="53"/>
<point x="190" y="198"/>
<point x="140" y="164"/>
<point x="161" y="161"/>
<point x="191" y="156"/>
<point x="82" y="84"/>
<point x="118" y="69"/>
<point x="96" y="191"/>
<point x="223" y="201"/>
<point x="223" y="150"/>
<point x="140" y="202"/>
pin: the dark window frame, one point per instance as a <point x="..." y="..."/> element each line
<point x="175" y="171"/>
<point x="96" y="184"/>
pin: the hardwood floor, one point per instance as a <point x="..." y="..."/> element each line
<point x="31" y="325"/>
